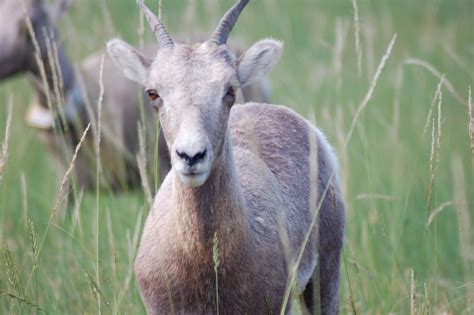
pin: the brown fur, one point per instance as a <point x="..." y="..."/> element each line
<point x="175" y="257"/>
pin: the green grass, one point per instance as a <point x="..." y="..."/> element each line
<point x="385" y="167"/>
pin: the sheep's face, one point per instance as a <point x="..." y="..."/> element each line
<point x="193" y="89"/>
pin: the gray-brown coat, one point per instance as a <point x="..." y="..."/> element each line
<point x="250" y="176"/>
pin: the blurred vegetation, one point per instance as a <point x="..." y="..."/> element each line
<point x="385" y="168"/>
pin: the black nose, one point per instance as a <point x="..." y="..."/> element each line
<point x="191" y="160"/>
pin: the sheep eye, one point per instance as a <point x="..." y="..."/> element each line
<point x="152" y="95"/>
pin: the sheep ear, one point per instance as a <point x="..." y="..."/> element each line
<point x="256" y="62"/>
<point x="133" y="64"/>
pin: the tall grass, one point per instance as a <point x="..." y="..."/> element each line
<point x="4" y="153"/>
<point x="397" y="257"/>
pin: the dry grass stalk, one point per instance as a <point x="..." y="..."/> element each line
<point x="313" y="199"/>
<point x="142" y="167"/>
<point x="341" y="34"/>
<point x="61" y="194"/>
<point x="71" y="164"/>
<point x="373" y="84"/>
<point x="464" y="222"/>
<point x="159" y="9"/>
<point x="113" y="259"/>
<point x="34" y="244"/>
<point x="90" y="111"/>
<point x="284" y="239"/>
<point x="436" y="73"/>
<point x="358" y="112"/>
<point x="76" y="213"/>
<point x="23" y="301"/>
<point x="4" y="153"/>
<point x="437" y="211"/>
<point x="294" y="267"/>
<point x="96" y="289"/>
<point x="57" y="66"/>
<point x="471" y="123"/>
<point x="426" y="304"/>
<point x="24" y="195"/>
<point x="432" y="154"/>
<point x="38" y="58"/>
<point x="13" y="276"/>
<point x="132" y="250"/>
<point x="99" y="118"/>
<point x="438" y="139"/>
<point x="155" y="159"/>
<point x="98" y="168"/>
<point x="368" y="31"/>
<point x="435" y="152"/>
<point x="448" y="48"/>
<point x="433" y="102"/>
<point x="358" y="48"/>
<point x="342" y="153"/>
<point x="105" y="131"/>
<point x="71" y="167"/>
<point x="34" y="248"/>
<point x="352" y="260"/>
<point x="412" y="293"/>
<point x="396" y="104"/>
<point x="351" y="295"/>
<point x="313" y="228"/>
<point x="54" y="71"/>
<point x="216" y="261"/>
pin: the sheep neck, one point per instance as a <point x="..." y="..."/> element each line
<point x="215" y="207"/>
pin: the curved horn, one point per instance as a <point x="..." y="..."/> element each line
<point x="164" y="39"/>
<point x="227" y="23"/>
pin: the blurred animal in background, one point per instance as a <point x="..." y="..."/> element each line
<point x="234" y="220"/>
<point x="66" y="98"/>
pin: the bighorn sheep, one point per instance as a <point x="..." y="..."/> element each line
<point x="79" y="91"/>
<point x="243" y="175"/>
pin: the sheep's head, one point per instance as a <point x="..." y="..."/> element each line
<point x="16" y="48"/>
<point x="193" y="88"/>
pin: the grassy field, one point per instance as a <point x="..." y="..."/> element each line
<point x="404" y="149"/>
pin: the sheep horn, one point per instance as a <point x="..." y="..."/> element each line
<point x="164" y="39"/>
<point x="227" y="22"/>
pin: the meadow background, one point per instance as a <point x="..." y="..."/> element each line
<point x="403" y="253"/>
